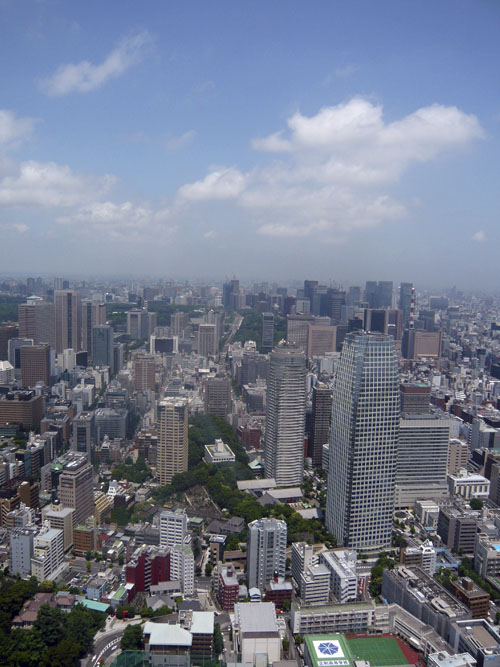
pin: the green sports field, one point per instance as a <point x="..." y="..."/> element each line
<point x="378" y="651"/>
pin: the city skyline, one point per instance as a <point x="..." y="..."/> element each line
<point x="247" y="140"/>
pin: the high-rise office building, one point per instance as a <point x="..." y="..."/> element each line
<point x="217" y="396"/>
<point x="321" y="418"/>
<point x="422" y="457"/>
<point x="7" y="333"/>
<point x="83" y="438"/>
<point x="267" y="332"/>
<point x="102" y="346"/>
<point x="93" y="315"/>
<point x="405" y="291"/>
<point x="172" y="452"/>
<point x="37" y="321"/>
<point x="297" y="330"/>
<point x="266" y="553"/>
<point x="207" y="340"/>
<point x="14" y="346"/>
<point x="68" y="312"/>
<point x="138" y="324"/>
<point x="144" y="373"/>
<point x="35" y="365"/>
<point x="76" y="487"/>
<point x="363" y="442"/>
<point x="285" y="415"/>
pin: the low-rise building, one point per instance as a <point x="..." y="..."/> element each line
<point x="345" y="618"/>
<point x="219" y="452"/>
<point x="478" y="638"/>
<point x="469" y="485"/>
<point x="472" y="595"/>
<point x="256" y="631"/>
<point x="424" y="597"/>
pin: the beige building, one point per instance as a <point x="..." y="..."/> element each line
<point x="458" y="455"/>
<point x="172" y="454"/>
<point x="35" y="365"/>
<point x="76" y="487"/>
<point x="207" y="340"/>
<point x="322" y="339"/>
<point x="145" y="368"/>
<point x="60" y="518"/>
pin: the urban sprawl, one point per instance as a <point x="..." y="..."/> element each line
<point x="248" y="474"/>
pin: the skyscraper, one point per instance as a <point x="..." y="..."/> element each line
<point x="93" y="315"/>
<point x="172" y="455"/>
<point x="102" y="346"/>
<point x="267" y="332"/>
<point x="321" y="418"/>
<point x="68" y="311"/>
<point x="266" y="551"/>
<point x="207" y="340"/>
<point x="36" y="320"/>
<point x="285" y="415"/>
<point x="405" y="290"/>
<point x="35" y="365"/>
<point x="363" y="442"/>
<point x="76" y="487"/>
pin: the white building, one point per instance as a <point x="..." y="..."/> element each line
<point x="363" y="442"/>
<point x="285" y="416"/>
<point x="48" y="554"/>
<point x="256" y="631"/>
<point x="302" y="557"/>
<point x="21" y="550"/>
<point x="173" y="527"/>
<point x="182" y="566"/>
<point x="219" y="452"/>
<point x="315" y="585"/>
<point x="468" y="485"/>
<point x="7" y="372"/>
<point x="443" y="659"/>
<point x="266" y="554"/>
<point x="343" y="578"/>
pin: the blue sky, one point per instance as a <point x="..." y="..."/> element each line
<point x="343" y="141"/>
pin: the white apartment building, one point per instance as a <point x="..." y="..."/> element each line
<point x="343" y="578"/>
<point x="182" y="566"/>
<point x="48" y="553"/>
<point x="173" y="528"/>
<point x="315" y="585"/>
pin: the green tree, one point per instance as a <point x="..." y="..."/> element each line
<point x="208" y="569"/>
<point x="286" y="645"/>
<point x="218" y="639"/>
<point x="298" y="639"/>
<point x="286" y="605"/>
<point x="133" y="639"/>
<point x="50" y="624"/>
<point x="476" y="503"/>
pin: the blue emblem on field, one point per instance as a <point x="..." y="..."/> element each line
<point x="328" y="648"/>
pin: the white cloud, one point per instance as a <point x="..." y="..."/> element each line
<point x="83" y="77"/>
<point x="479" y="236"/>
<point x="14" y="129"/>
<point x="18" y="228"/>
<point x="125" y="221"/>
<point x="333" y="168"/>
<point x="176" y="143"/>
<point x="220" y="183"/>
<point x="50" y="185"/>
<point x="274" y="143"/>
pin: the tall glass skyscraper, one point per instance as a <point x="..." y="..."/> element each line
<point x="285" y="415"/>
<point x="363" y="442"/>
